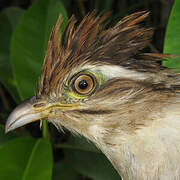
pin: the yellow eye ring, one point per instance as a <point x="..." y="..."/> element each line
<point x="84" y="84"/>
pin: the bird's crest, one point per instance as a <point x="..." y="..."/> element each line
<point x="90" y="43"/>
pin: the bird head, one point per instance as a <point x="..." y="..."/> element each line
<point x="95" y="81"/>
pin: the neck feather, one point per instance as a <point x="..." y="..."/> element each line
<point x="153" y="152"/>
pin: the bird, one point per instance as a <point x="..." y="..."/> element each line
<point x="100" y="83"/>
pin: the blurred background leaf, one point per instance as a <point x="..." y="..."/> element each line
<point x="78" y="143"/>
<point x="26" y="159"/>
<point x="29" y="43"/>
<point x="6" y="137"/>
<point x="172" y="38"/>
<point x="64" y="171"/>
<point x="8" y="20"/>
<point x="86" y="159"/>
<point x="94" y="165"/>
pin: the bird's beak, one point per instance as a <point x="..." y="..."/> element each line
<point x="33" y="110"/>
<point x="27" y="112"/>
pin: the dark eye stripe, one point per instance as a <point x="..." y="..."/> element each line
<point x="90" y="111"/>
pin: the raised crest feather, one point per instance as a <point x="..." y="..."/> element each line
<point x="91" y="43"/>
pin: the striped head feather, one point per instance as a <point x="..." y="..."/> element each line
<point x="91" y="44"/>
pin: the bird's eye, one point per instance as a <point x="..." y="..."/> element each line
<point x="84" y="84"/>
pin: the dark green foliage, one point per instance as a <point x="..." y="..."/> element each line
<point x="8" y="20"/>
<point x="26" y="158"/>
<point x="29" y="43"/>
<point x="172" y="38"/>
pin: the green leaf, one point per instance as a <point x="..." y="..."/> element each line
<point x="172" y="38"/>
<point x="78" y="143"/>
<point x="85" y="158"/>
<point x="63" y="171"/>
<point x="26" y="159"/>
<point x="93" y="165"/>
<point x="13" y="14"/>
<point x="6" y="137"/>
<point x="29" y="43"/>
<point x="8" y="20"/>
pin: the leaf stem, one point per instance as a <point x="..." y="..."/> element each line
<point x="45" y="130"/>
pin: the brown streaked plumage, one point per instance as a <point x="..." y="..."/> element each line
<point x="132" y="111"/>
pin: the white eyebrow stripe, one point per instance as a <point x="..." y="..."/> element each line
<point x="113" y="71"/>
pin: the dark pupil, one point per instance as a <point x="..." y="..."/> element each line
<point x="83" y="84"/>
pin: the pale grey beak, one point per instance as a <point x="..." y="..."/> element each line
<point x="23" y="114"/>
<point x="33" y="110"/>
